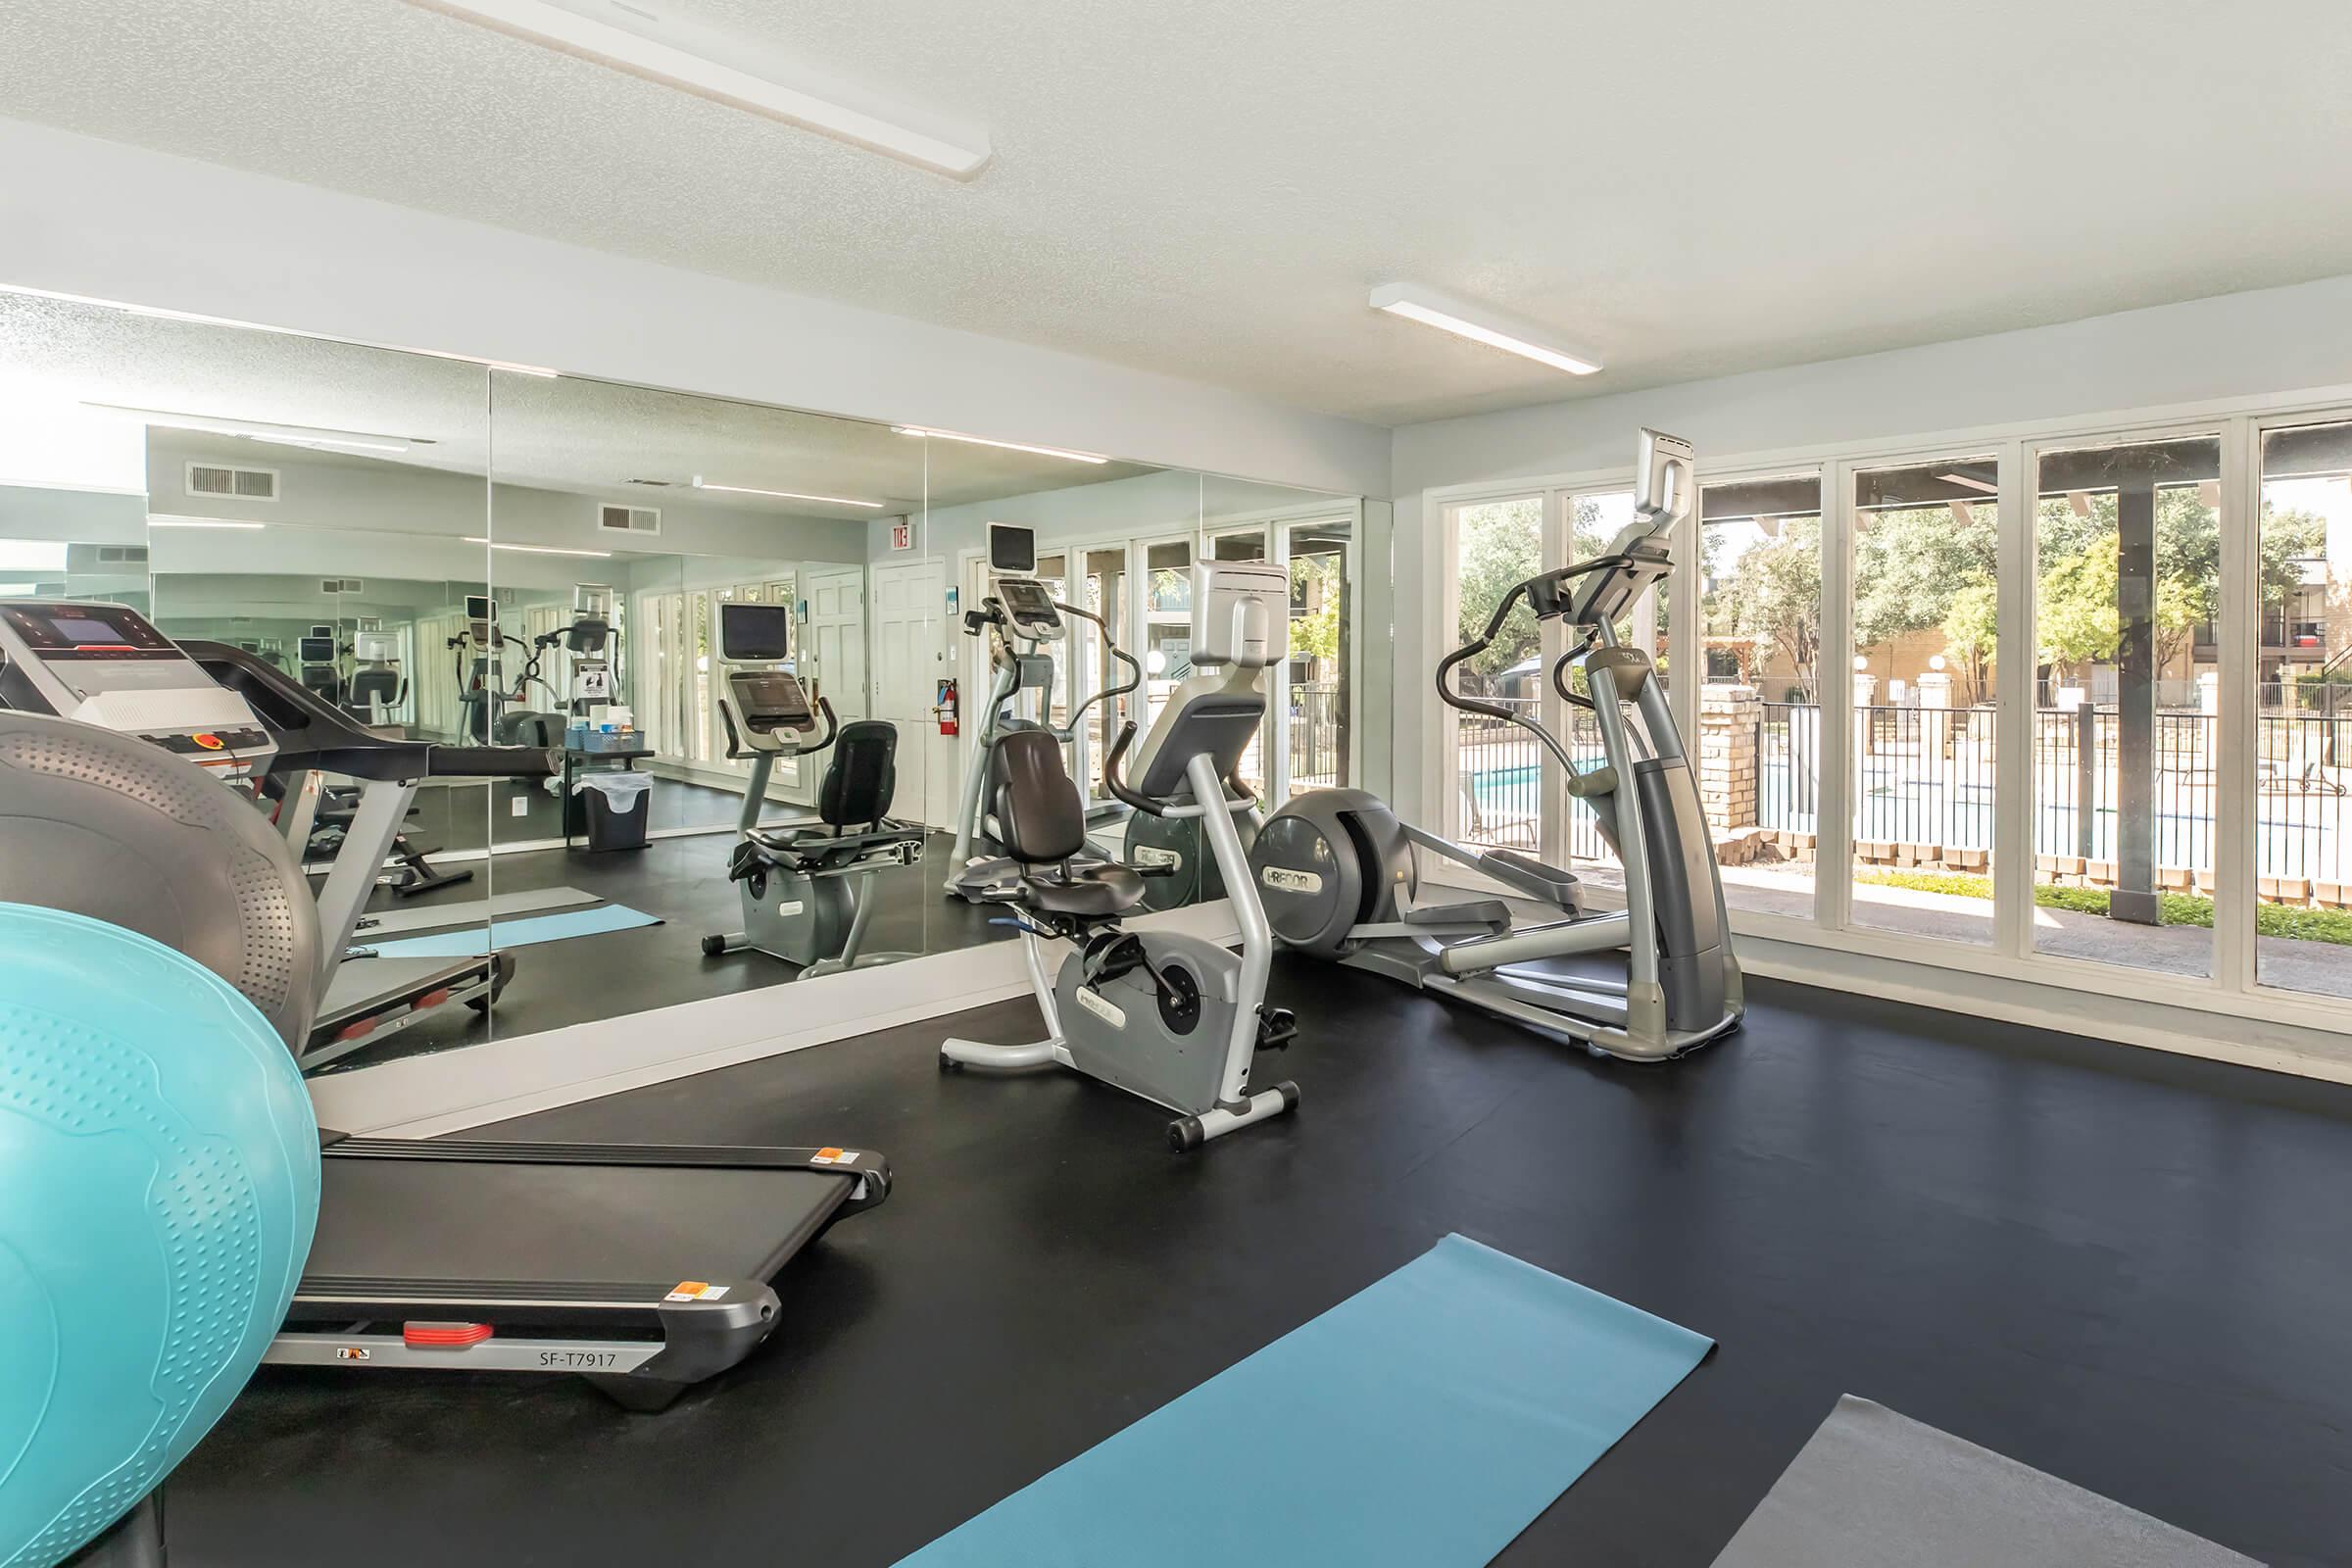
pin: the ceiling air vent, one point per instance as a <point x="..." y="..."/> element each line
<point x="122" y="554"/>
<point x="245" y="484"/>
<point x="628" y="520"/>
<point x="650" y="484"/>
<point x="342" y="585"/>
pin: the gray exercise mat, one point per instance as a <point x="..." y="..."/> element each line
<point x="1878" y="1490"/>
<point x="473" y="912"/>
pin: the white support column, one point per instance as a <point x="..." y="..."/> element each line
<point x="2013" y="689"/>
<point x="2234" y="884"/>
<point x="1554" y="809"/>
<point x="1834" y="852"/>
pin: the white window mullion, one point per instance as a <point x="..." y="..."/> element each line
<point x="1834" y="845"/>
<point x="2014" y="667"/>
<point x="2234" y="769"/>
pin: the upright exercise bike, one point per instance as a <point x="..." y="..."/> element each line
<point x="807" y="893"/>
<point x="1337" y="870"/>
<point x="1173" y="1018"/>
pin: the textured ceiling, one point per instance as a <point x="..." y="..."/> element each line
<point x="1208" y="189"/>
<point x="568" y="435"/>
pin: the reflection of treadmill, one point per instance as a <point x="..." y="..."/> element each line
<point x="107" y="665"/>
<point x="368" y="997"/>
<point x="641" y="1267"/>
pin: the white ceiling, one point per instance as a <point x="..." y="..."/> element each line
<point x="1209" y="190"/>
<point x="569" y="434"/>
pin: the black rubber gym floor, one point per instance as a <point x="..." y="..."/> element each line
<point x="2132" y="1270"/>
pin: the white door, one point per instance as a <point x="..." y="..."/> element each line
<point x="835" y="637"/>
<point x="911" y="658"/>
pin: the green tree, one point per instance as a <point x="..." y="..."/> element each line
<point x="1909" y="562"/>
<point x="1315" y="633"/>
<point x="2076" y="617"/>
<point x="1774" y="595"/>
<point x="1502" y="546"/>
<point x="1971" y="634"/>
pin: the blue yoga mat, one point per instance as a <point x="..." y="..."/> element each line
<point x="473" y="941"/>
<point x="1424" y="1421"/>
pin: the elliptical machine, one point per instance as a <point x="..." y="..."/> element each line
<point x="807" y="893"/>
<point x="1019" y="619"/>
<point x="1173" y="1018"/>
<point x="1337" y="872"/>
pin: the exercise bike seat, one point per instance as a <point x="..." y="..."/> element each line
<point x="1091" y="893"/>
<point x="1041" y="825"/>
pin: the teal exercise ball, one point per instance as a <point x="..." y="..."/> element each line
<point x="159" y="1184"/>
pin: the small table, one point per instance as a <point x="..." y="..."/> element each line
<point x="577" y="763"/>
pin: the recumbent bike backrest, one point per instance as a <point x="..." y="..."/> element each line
<point x="1039" y="815"/>
<point x="858" y="786"/>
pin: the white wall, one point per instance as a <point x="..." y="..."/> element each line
<point x="392" y="498"/>
<point x="315" y="261"/>
<point x="2237" y="346"/>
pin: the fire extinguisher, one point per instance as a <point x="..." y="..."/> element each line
<point x="945" y="707"/>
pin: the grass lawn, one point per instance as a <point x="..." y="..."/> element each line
<point x="2174" y="908"/>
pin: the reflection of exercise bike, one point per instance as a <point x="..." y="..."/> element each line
<point x="1020" y="620"/>
<point x="478" y="657"/>
<point x="807" y="893"/>
<point x="1173" y="1018"/>
<point x="1338" y="874"/>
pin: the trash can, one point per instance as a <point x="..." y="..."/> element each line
<point x="619" y="804"/>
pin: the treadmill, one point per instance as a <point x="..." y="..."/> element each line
<point x="643" y="1268"/>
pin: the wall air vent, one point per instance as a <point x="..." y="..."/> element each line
<point x="628" y="520"/>
<point x="342" y="585"/>
<point x="245" y="484"/>
<point x="122" y="554"/>
<point x="650" y="484"/>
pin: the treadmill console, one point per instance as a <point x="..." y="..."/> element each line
<point x="1029" y="610"/>
<point x="769" y="700"/>
<point x="105" y="665"/>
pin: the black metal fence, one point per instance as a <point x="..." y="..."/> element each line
<point x="1318" y="735"/>
<point x="1928" y="778"/>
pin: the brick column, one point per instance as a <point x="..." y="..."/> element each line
<point x="1730" y="719"/>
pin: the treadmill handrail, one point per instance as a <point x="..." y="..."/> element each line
<point x="314" y="733"/>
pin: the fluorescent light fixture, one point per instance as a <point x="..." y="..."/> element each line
<point x="701" y="483"/>
<point x="983" y="441"/>
<point x="1482" y="324"/>
<point x="1967" y="483"/>
<point x="166" y="520"/>
<point x="284" y="435"/>
<point x="537" y="550"/>
<point x="828" y="107"/>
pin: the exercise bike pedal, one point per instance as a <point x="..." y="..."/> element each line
<point x="1276" y="1027"/>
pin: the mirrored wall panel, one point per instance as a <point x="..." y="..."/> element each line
<point x="642" y="698"/>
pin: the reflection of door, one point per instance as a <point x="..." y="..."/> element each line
<point x="834" y="646"/>
<point x="909" y="661"/>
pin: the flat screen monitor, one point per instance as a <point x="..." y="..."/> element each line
<point x="321" y="629"/>
<point x="755" y="635"/>
<point x="316" y="649"/>
<point x="477" y="606"/>
<point x="1012" y="548"/>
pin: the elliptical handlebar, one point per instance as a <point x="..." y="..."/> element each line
<point x="1118" y="786"/>
<point x="1069" y="725"/>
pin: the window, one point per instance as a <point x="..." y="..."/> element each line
<point x="2303" y="683"/>
<point x="1498" y="774"/>
<point x="1758" y="745"/>
<point x="2127" y="548"/>
<point x="1319" y="696"/>
<point x="1924" y="581"/>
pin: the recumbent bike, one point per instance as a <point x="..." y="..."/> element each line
<point x="807" y="892"/>
<point x="1175" y="1019"/>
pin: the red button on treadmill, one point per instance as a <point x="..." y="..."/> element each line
<point x="444" y="1336"/>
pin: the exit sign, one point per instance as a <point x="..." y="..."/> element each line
<point x="901" y="536"/>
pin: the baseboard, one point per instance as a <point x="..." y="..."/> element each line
<point x="2064" y="1010"/>
<point x="449" y="1091"/>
